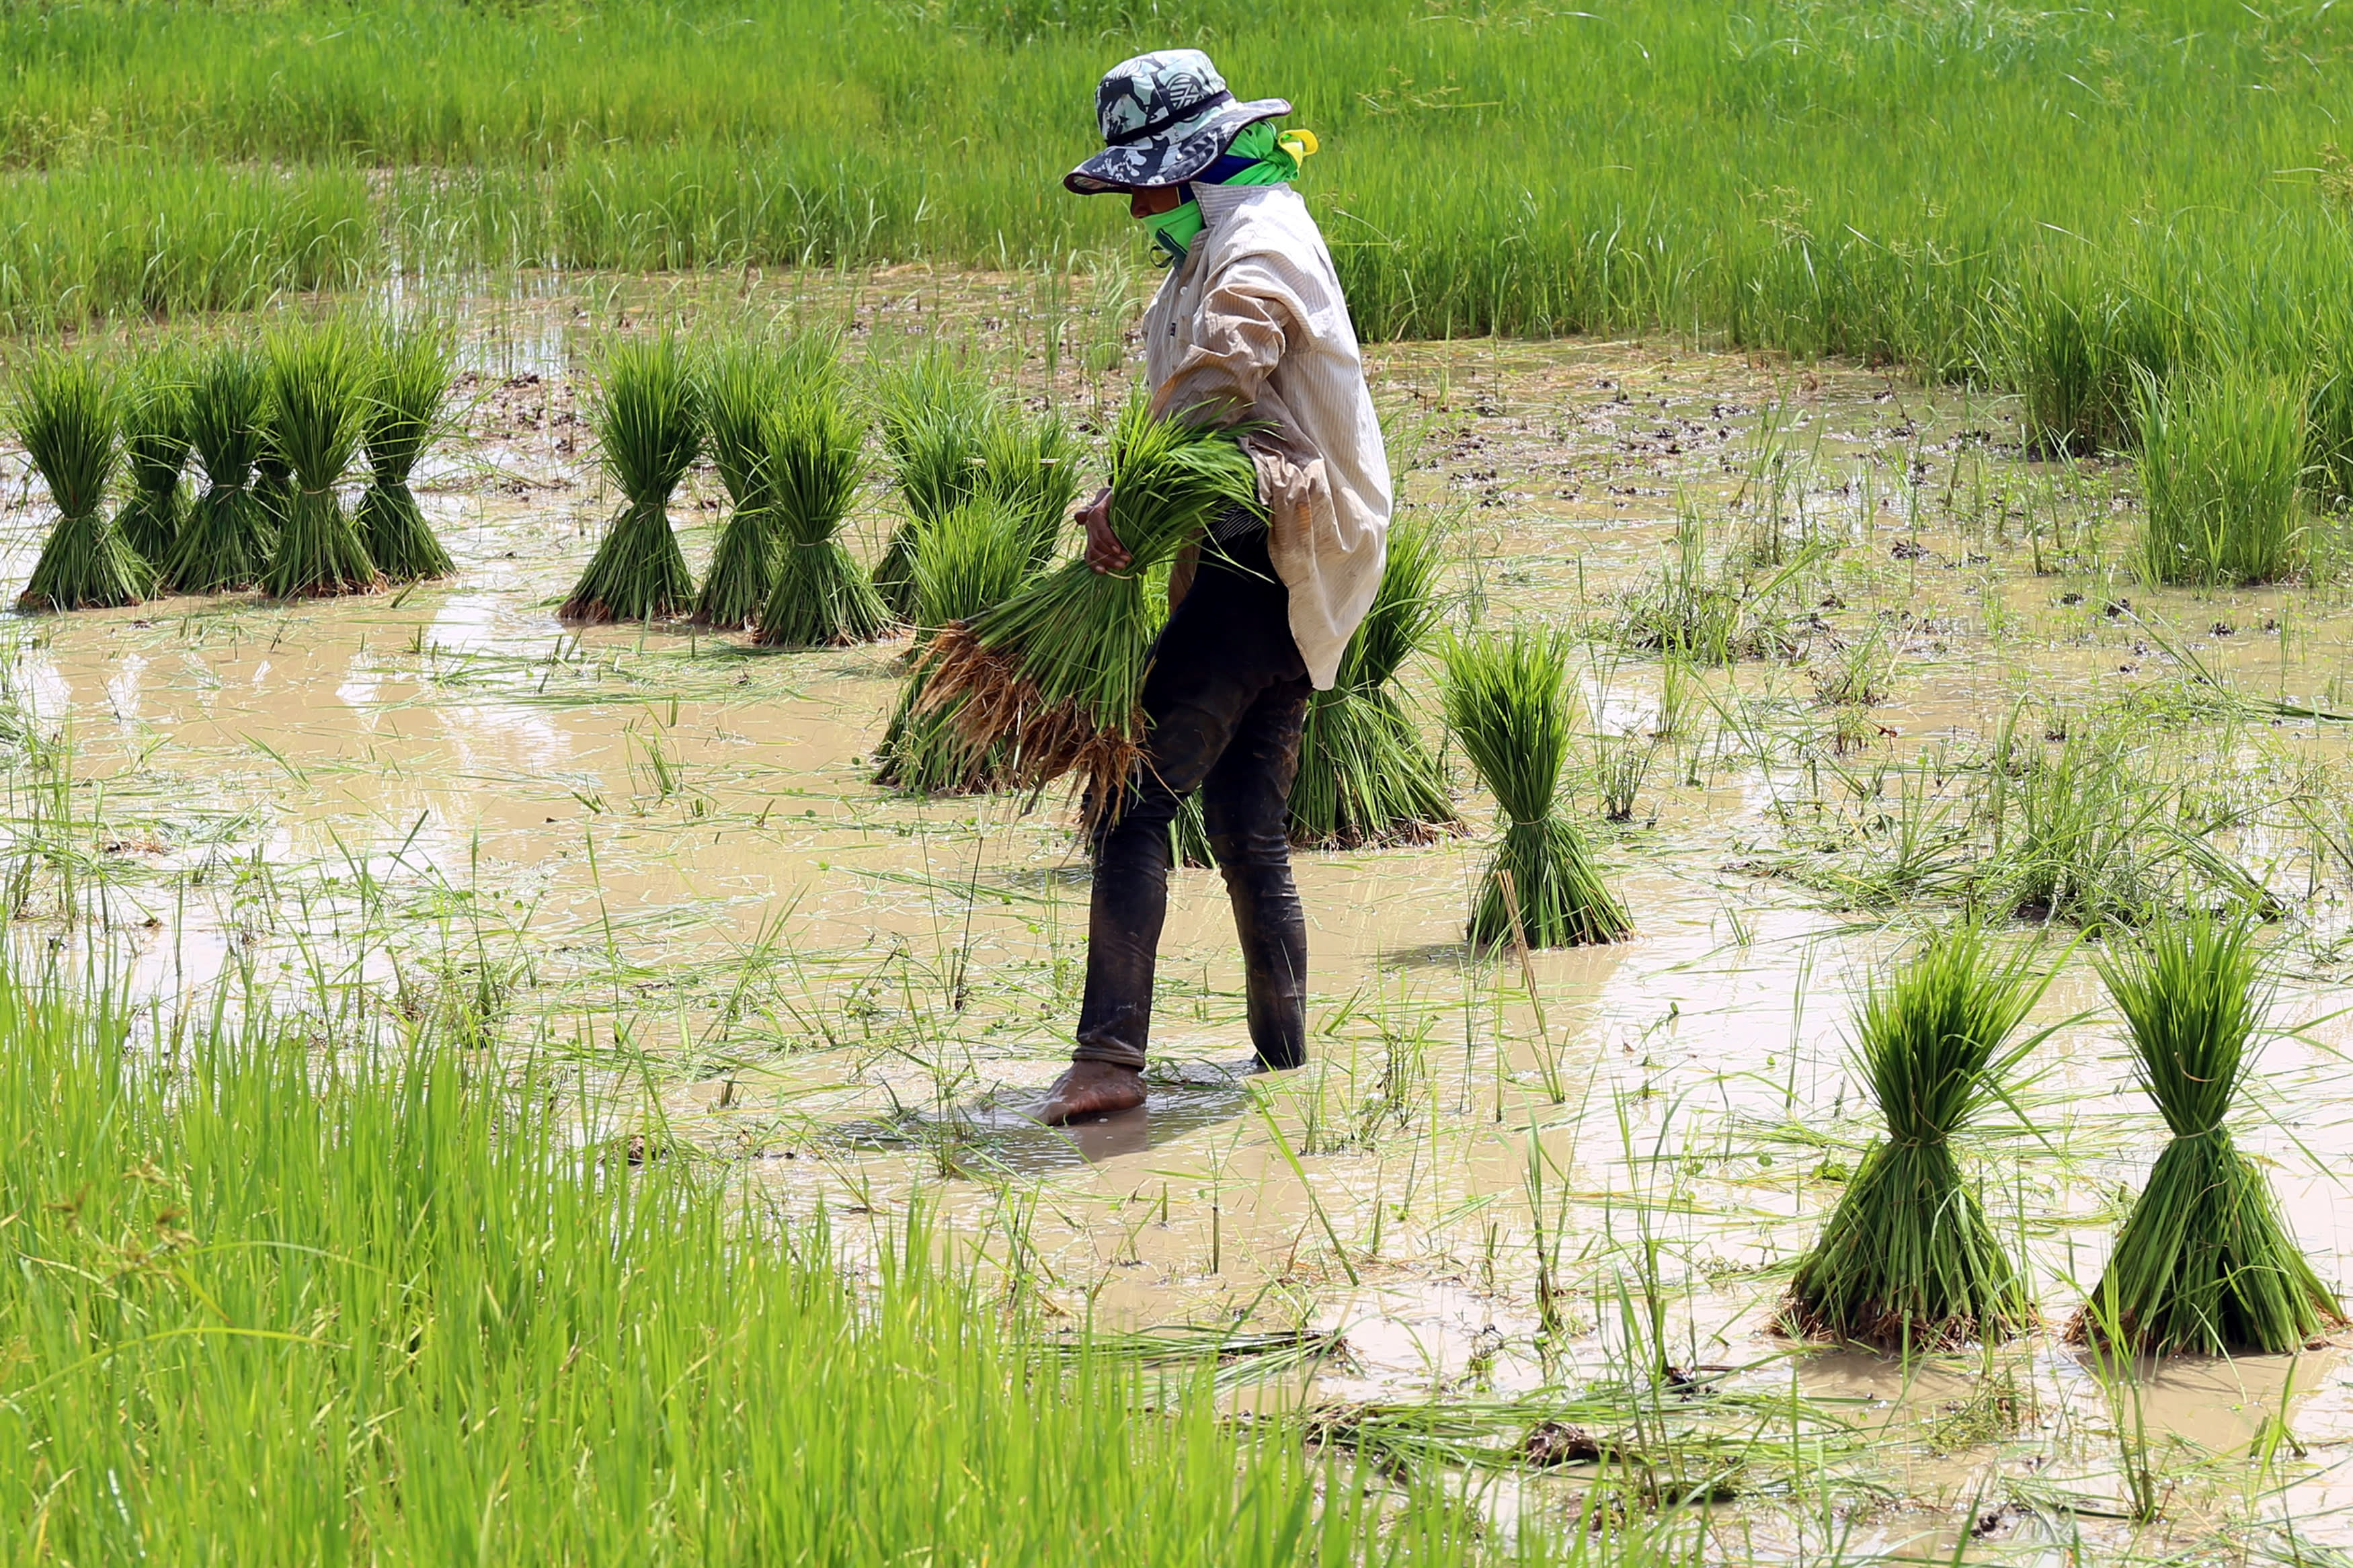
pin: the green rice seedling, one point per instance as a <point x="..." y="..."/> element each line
<point x="225" y="543"/>
<point x="1507" y="703"/>
<point x="2328" y="412"/>
<point x="1056" y="671"/>
<point x="1908" y="1258"/>
<point x="648" y="419"/>
<point x="972" y="557"/>
<point x="2072" y="834"/>
<point x="818" y="595"/>
<point x="68" y="418"/>
<point x="1366" y="775"/>
<point x="1696" y="609"/>
<point x="408" y="407"/>
<point x="1031" y="466"/>
<point x="156" y="453"/>
<point x="2222" y="458"/>
<point x="2077" y="350"/>
<point x="273" y="475"/>
<point x="742" y="385"/>
<point x="936" y="420"/>
<point x="318" y="408"/>
<point x="2204" y="1263"/>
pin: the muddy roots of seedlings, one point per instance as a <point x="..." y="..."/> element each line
<point x="973" y="556"/>
<point x="995" y="705"/>
<point x="1908" y="1258"/>
<point x="2204" y="1263"/>
<point x="406" y="411"/>
<point x="67" y="418"/>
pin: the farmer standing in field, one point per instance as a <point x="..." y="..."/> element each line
<point x="1249" y="326"/>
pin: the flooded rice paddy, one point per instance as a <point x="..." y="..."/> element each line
<point x="1526" y="1218"/>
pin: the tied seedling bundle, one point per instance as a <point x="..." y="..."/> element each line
<point x="936" y="420"/>
<point x="649" y="420"/>
<point x="1908" y="1258"/>
<point x="67" y="418"/>
<point x="1056" y="671"/>
<point x="1031" y="466"/>
<point x="318" y="406"/>
<point x="155" y="451"/>
<point x="2204" y="1262"/>
<point x="407" y="409"/>
<point x="1506" y="700"/>
<point x="226" y="538"/>
<point x="975" y="556"/>
<point x="1365" y="774"/>
<point x="819" y="597"/>
<point x="742" y="385"/>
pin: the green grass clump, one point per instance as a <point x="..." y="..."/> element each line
<point x="1507" y="702"/>
<point x="318" y="408"/>
<point x="1366" y="776"/>
<point x="818" y="595"/>
<point x="938" y="419"/>
<point x="226" y="539"/>
<point x="648" y="419"/>
<point x="2220" y="464"/>
<point x="68" y="418"/>
<point x="975" y="555"/>
<point x="742" y="385"/>
<point x="290" y="1295"/>
<point x="2204" y="1263"/>
<point x="1055" y="672"/>
<point x="1908" y="1258"/>
<point x="408" y="407"/>
<point x="156" y="408"/>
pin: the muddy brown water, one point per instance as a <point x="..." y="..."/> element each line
<point x="660" y="852"/>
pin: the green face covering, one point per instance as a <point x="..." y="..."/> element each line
<point x="1261" y="155"/>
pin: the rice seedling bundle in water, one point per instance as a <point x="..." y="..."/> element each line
<point x="649" y="420"/>
<point x="1365" y="774"/>
<point x="1507" y="702"/>
<point x="225" y="541"/>
<point x="155" y="452"/>
<point x="742" y="385"/>
<point x="318" y="408"/>
<point x="936" y="418"/>
<point x="67" y="416"/>
<point x="1031" y="466"/>
<point x="1908" y="1258"/>
<point x="972" y="557"/>
<point x="2204" y="1262"/>
<point x="2221" y="457"/>
<point x="1056" y="671"/>
<point x="407" y="409"/>
<point x="819" y="597"/>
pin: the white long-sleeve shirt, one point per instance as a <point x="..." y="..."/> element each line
<point x="1252" y="325"/>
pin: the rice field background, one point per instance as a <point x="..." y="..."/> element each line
<point x="485" y="1086"/>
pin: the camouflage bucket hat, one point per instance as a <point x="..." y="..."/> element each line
<point x="1166" y="117"/>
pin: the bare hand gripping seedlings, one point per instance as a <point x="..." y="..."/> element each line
<point x="67" y="416"/>
<point x="1507" y="702"/>
<point x="226" y="539"/>
<point x="975" y="555"/>
<point x="1056" y="671"/>
<point x="1907" y="1259"/>
<point x="2204" y="1263"/>
<point x="406" y="410"/>
<point x="649" y="420"/>
<point x="317" y="391"/>
<point x="819" y="597"/>
<point x="156" y="413"/>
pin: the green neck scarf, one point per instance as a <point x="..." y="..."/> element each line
<point x="1268" y="157"/>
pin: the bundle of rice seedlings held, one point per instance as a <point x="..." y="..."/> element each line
<point x="1908" y="1258"/>
<point x="318" y="392"/>
<point x="1506" y="700"/>
<point x="1056" y="671"/>
<point x="66" y="416"/>
<point x="407" y="408"/>
<point x="742" y="385"/>
<point x="226" y="538"/>
<point x="1365" y="774"/>
<point x="975" y="556"/>
<point x="155" y="451"/>
<point x="2204" y="1262"/>
<point x="649" y="420"/>
<point x="819" y="597"/>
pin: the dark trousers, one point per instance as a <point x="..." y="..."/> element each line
<point x="1227" y="694"/>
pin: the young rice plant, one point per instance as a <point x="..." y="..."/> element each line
<point x="67" y="416"/>
<point x="818" y="595"/>
<point x="225" y="541"/>
<point x="406" y="410"/>
<point x="155" y="408"/>
<point x="318" y="408"/>
<point x="649" y="420"/>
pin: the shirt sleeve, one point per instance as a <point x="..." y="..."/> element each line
<point x="1248" y="317"/>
